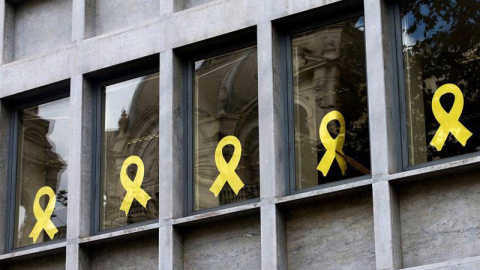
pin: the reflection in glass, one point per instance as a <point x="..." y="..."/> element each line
<point x="130" y="127"/>
<point x="225" y="102"/>
<point x="43" y="153"/>
<point x="441" y="44"/>
<point x="329" y="74"/>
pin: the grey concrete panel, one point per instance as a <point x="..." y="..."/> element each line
<point x="138" y="253"/>
<point x="193" y="3"/>
<point x="233" y="244"/>
<point x="51" y="262"/>
<point x="335" y="233"/>
<point x="8" y="28"/>
<point x="104" y="51"/>
<point x="42" y="26"/>
<point x="114" y="15"/>
<point x="440" y="219"/>
<point x="387" y="226"/>
<point x="26" y="75"/>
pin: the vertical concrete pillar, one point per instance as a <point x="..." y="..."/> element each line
<point x="7" y="32"/>
<point x="273" y="174"/>
<point x="2" y="29"/>
<point x="168" y="7"/>
<point x="78" y="20"/>
<point x="384" y="132"/>
<point x="79" y="175"/>
<point x="171" y="160"/>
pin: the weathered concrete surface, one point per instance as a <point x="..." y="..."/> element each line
<point x="224" y="245"/>
<point x="138" y="253"/>
<point x="440" y="219"/>
<point x="42" y="26"/>
<point x="113" y="15"/>
<point x="193" y="3"/>
<point x="52" y="262"/>
<point x="332" y="234"/>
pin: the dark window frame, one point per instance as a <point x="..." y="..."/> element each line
<point x="399" y="85"/>
<point x="18" y="103"/>
<point x="288" y="27"/>
<point x="98" y="85"/>
<point x="188" y="55"/>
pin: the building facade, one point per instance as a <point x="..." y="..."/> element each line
<point x="239" y="134"/>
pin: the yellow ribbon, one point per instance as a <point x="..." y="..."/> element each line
<point x="449" y="121"/>
<point x="43" y="216"/>
<point x="133" y="188"/>
<point x="333" y="146"/>
<point x="227" y="170"/>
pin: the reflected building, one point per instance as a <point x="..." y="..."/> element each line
<point x="226" y="103"/>
<point x="329" y="74"/>
<point x="137" y="134"/>
<point x="40" y="166"/>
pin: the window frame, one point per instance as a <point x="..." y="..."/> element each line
<point x="97" y="117"/>
<point x="48" y="94"/>
<point x="399" y="83"/>
<point x="286" y="32"/>
<point x="207" y="49"/>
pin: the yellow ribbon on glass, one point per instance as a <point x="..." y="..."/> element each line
<point x="333" y="146"/>
<point x="43" y="216"/>
<point x="449" y="121"/>
<point x="227" y="170"/>
<point x="133" y="188"/>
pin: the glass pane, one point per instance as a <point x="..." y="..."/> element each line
<point x="130" y="129"/>
<point x="329" y="87"/>
<point x="441" y="46"/>
<point x="43" y="152"/>
<point x="225" y="103"/>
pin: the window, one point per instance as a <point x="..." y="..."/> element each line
<point x="225" y="129"/>
<point x="441" y="52"/>
<point x="129" y="152"/>
<point x="329" y="100"/>
<point x="42" y="173"/>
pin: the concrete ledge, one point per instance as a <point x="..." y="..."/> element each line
<point x="323" y="191"/>
<point x="227" y="212"/>
<point x="466" y="163"/>
<point x="467" y="263"/>
<point x="120" y="233"/>
<point x="34" y="251"/>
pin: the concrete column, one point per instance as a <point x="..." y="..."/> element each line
<point x="168" y="7"/>
<point x="382" y="101"/>
<point x="273" y="175"/>
<point x="2" y="29"/>
<point x="7" y="32"/>
<point x="388" y="244"/>
<point x="79" y="175"/>
<point x="78" y="20"/>
<point x="384" y="132"/>
<point x="171" y="160"/>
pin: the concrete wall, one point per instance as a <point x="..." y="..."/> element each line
<point x="231" y="244"/>
<point x="51" y="262"/>
<point x="429" y="223"/>
<point x="139" y="253"/>
<point x="440" y="219"/>
<point x="332" y="234"/>
<point x="109" y="15"/>
<point x="40" y="26"/>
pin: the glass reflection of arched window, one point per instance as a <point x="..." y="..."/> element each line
<point x="225" y="103"/>
<point x="130" y="128"/>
